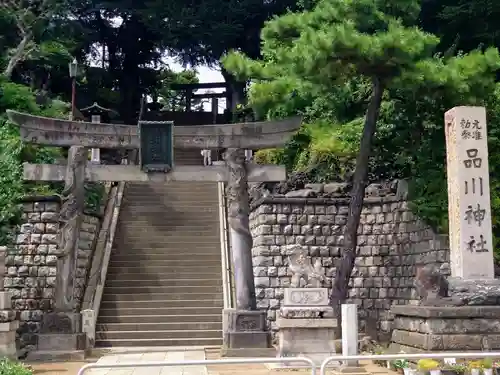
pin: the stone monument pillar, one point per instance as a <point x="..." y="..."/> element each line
<point x="460" y="313"/>
<point x="9" y="323"/>
<point x="306" y="323"/>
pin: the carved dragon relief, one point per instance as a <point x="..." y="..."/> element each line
<point x="238" y="203"/>
<point x="69" y="223"/>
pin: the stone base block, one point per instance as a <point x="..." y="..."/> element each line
<point x="458" y="328"/>
<point x="8" y="346"/>
<point x="241" y="340"/>
<point x="312" y="338"/>
<point x="248" y="352"/>
<point x="56" y="356"/>
<point x="245" y="329"/>
<point x="61" y="322"/>
<point x="5" y="300"/>
<point x="351" y="370"/>
<point x="61" y="341"/>
<point x="244" y="320"/>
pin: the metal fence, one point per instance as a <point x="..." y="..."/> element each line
<point x="236" y="361"/>
<point x="304" y="360"/>
<point x="391" y="357"/>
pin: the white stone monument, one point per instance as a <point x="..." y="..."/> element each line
<point x="471" y="246"/>
<point x="472" y="280"/>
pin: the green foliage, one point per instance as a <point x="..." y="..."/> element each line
<point x="94" y="193"/>
<point x="316" y="63"/>
<point x="9" y="367"/>
<point x="14" y="153"/>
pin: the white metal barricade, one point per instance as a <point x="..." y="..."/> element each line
<point x="204" y="362"/>
<point x="390" y="357"/>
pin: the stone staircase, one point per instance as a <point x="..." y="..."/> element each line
<point x="164" y="283"/>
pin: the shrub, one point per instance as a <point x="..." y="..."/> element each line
<point x="9" y="367"/>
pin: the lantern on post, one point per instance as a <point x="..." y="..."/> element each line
<point x="73" y="70"/>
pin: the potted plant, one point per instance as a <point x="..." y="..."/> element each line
<point x="487" y="366"/>
<point x="401" y="365"/>
<point x="475" y="367"/>
<point x="429" y="365"/>
<point x="496" y="367"/>
<point x="453" y="369"/>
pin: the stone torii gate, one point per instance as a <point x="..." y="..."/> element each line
<point x="244" y="326"/>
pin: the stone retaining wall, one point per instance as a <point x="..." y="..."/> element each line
<point x="392" y="242"/>
<point x="30" y="265"/>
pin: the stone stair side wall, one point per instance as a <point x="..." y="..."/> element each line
<point x="100" y="261"/>
<point x="392" y="242"/>
<point x="30" y="264"/>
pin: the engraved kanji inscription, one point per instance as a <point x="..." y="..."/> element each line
<point x="475" y="186"/>
<point x="473" y="160"/>
<point x="471" y="130"/>
<point x="475" y="215"/>
<point x="477" y="246"/>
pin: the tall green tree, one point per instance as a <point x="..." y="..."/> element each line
<point x="337" y="41"/>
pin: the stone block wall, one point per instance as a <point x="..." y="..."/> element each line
<point x="392" y="243"/>
<point x="30" y="264"/>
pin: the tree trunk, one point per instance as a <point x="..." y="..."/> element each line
<point x="344" y="269"/>
<point x="17" y="56"/>
<point x="236" y="90"/>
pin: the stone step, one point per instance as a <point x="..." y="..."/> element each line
<point x="162" y="209"/>
<point x="148" y="253"/>
<point x="169" y="254"/>
<point x="188" y="326"/>
<point x="169" y="189"/>
<point x="167" y="264"/>
<point x="159" y="296"/>
<point x="162" y="311"/>
<point x="172" y="271"/>
<point x="173" y="247"/>
<point x="159" y="319"/>
<point x="157" y="237"/>
<point x="191" y="224"/>
<point x="156" y="269"/>
<point x="187" y="263"/>
<point x="158" y="342"/>
<point x="119" y="305"/>
<point x="172" y="334"/>
<point x="163" y="282"/>
<point x="159" y="289"/>
<point x="170" y="201"/>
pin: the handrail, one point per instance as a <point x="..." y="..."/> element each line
<point x="204" y="362"/>
<point x="226" y="276"/>
<point x="100" y="262"/>
<point x="110" y="236"/>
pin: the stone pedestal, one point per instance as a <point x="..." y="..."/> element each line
<point x="448" y="328"/>
<point x="306" y="325"/>
<point x="474" y="292"/>
<point x="8" y="326"/>
<point x="245" y="330"/>
<point x="8" y="322"/>
<point x="60" y="338"/>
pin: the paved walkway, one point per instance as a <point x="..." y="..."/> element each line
<point x="175" y="355"/>
<point x="170" y="356"/>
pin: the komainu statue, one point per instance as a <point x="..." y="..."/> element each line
<point x="302" y="268"/>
